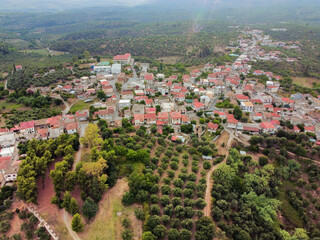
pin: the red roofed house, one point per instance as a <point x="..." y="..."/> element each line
<point x="176" y="118"/>
<point x="257" y="116"/>
<point x="198" y="106"/>
<point x="71" y="128"/>
<point x="163" y="118"/>
<point x="232" y="122"/>
<point x="212" y="127"/>
<point x="149" y="102"/>
<point x="27" y="127"/>
<point x="43" y="133"/>
<point x="150" y="118"/>
<point x="257" y="73"/>
<point x="126" y="58"/>
<point x="185" y="119"/>
<point x="296" y="129"/>
<point x="149" y="78"/>
<point x="242" y="98"/>
<point x="268" y="127"/>
<point x="287" y="101"/>
<point x="180" y="97"/>
<point x="138" y="119"/>
<point x="310" y="129"/>
<point x="106" y="114"/>
<point x="67" y="88"/>
<point x="82" y="115"/>
<point x="221" y="115"/>
<point x="18" y="67"/>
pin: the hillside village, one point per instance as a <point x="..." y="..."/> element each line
<point x="152" y="100"/>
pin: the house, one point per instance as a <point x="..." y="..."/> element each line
<point x="27" y="127"/>
<point x="180" y="97"/>
<point x="257" y="73"/>
<point x="149" y="78"/>
<point x="287" y="102"/>
<point x="67" y="88"/>
<point x="4" y="131"/>
<point x="198" y="106"/>
<point x="212" y="127"/>
<point x="43" y="134"/>
<point x="185" y="119"/>
<point x="150" y="118"/>
<point x="127" y="94"/>
<point x="124" y="59"/>
<point x="18" y="67"/>
<point x="6" y="152"/>
<point x="242" y="98"/>
<point x="221" y="115"/>
<point x="175" y="118"/>
<point x="41" y="123"/>
<point x="310" y="129"/>
<point x="149" y="102"/>
<point x="124" y="103"/>
<point x="246" y="106"/>
<point x="116" y="69"/>
<point x="106" y="114"/>
<point x="268" y="127"/>
<point x="231" y="121"/>
<point x="138" y="119"/>
<point x="163" y="118"/>
<point x="150" y="92"/>
<point x="71" y="128"/>
<point x="257" y="117"/>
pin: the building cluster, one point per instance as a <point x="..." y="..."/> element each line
<point x="158" y="100"/>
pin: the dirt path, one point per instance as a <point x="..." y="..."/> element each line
<point x="67" y="221"/>
<point x="208" y="198"/>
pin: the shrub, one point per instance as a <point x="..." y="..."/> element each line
<point x="139" y="214"/>
<point x="263" y="161"/>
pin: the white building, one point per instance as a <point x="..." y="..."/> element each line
<point x="124" y="103"/>
<point x="7" y="140"/>
<point x="246" y="106"/>
<point x="116" y="68"/>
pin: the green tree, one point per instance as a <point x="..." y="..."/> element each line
<point x="74" y="208"/>
<point x="237" y="112"/>
<point x="89" y="208"/>
<point x="91" y="137"/>
<point x="76" y="223"/>
<point x="148" y="236"/>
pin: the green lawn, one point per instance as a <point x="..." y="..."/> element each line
<point x="9" y="106"/>
<point x="79" y="106"/>
<point x="37" y="51"/>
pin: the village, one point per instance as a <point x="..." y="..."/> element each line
<point x="154" y="100"/>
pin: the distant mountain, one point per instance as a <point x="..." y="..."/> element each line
<point x="62" y="5"/>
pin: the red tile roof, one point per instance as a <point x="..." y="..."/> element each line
<point x="198" y="105"/>
<point x="267" y="125"/>
<point x="122" y="57"/>
<point x="213" y="126"/>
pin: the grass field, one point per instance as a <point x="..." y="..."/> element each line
<point x="107" y="223"/>
<point x="305" y="81"/>
<point x="78" y="106"/>
<point x="9" y="106"/>
<point x="38" y="51"/>
<point x="43" y="52"/>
